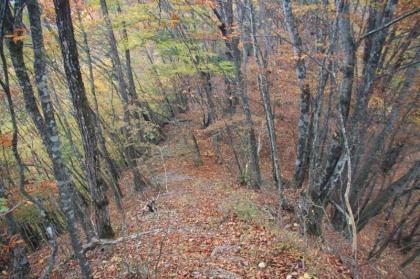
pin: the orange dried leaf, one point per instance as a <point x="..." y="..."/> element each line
<point x="174" y="16"/>
<point x="6" y="140"/>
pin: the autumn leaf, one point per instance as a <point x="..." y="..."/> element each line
<point x="6" y="140"/>
<point x="174" y="20"/>
<point x="174" y="16"/>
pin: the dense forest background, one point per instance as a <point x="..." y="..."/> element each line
<point x="309" y="107"/>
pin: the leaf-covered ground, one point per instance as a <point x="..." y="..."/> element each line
<point x="206" y="226"/>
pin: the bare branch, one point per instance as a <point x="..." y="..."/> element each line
<point x="413" y="12"/>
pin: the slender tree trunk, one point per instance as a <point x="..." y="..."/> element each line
<point x="265" y="95"/>
<point x="303" y="147"/>
<point x="129" y="70"/>
<point x="113" y="174"/>
<point x="225" y="16"/>
<point x="211" y="116"/>
<point x="51" y="141"/>
<point x="159" y="80"/>
<point x="242" y="93"/>
<point x="129" y="151"/>
<point x="83" y="116"/>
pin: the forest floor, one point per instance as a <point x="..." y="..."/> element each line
<point x="206" y="226"/>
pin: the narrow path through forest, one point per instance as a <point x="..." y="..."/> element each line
<point x="205" y="226"/>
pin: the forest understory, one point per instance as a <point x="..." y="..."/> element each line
<point x="207" y="225"/>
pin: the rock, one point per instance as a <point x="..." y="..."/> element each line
<point x="262" y="265"/>
<point x="289" y="276"/>
<point x="221" y="273"/>
<point x="295" y="273"/>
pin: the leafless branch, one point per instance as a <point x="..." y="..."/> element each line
<point x="413" y="12"/>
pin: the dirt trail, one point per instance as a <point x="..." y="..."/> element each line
<point x="209" y="227"/>
<point x="205" y="226"/>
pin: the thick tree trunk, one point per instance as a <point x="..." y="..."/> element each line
<point x="372" y="57"/>
<point x="321" y="190"/>
<point x="335" y="163"/>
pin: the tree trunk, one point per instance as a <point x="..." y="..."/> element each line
<point x="265" y="96"/>
<point x="129" y="151"/>
<point x="371" y="61"/>
<point x="242" y="94"/>
<point x="52" y="143"/>
<point x="252" y="142"/>
<point x="113" y="174"/>
<point x="84" y="117"/>
<point x="303" y="147"/>
<point x="129" y="70"/>
<point x="211" y="115"/>
<point x="216" y="148"/>
<point x="225" y="16"/>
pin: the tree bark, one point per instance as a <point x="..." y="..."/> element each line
<point x="113" y="174"/>
<point x="265" y="96"/>
<point x="225" y="16"/>
<point x="129" y="70"/>
<point x="242" y="93"/>
<point x="52" y="144"/>
<point x="84" y="117"/>
<point x="303" y="147"/>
